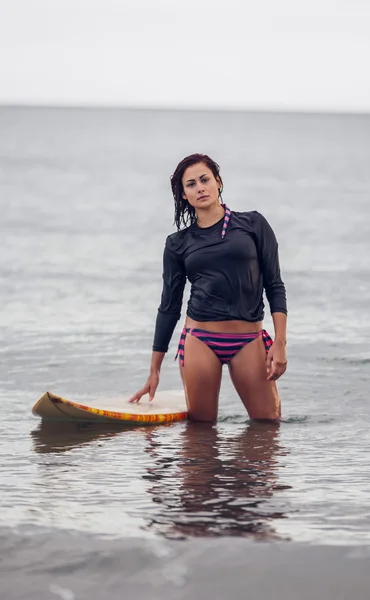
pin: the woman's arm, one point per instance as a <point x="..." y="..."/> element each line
<point x="280" y="323"/>
<point x="267" y="246"/>
<point x="169" y="312"/>
<point x="268" y="254"/>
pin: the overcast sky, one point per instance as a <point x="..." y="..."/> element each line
<point x="274" y="54"/>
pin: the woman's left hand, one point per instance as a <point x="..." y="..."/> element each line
<point x="276" y="361"/>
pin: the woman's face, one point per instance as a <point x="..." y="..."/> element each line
<point x="201" y="189"/>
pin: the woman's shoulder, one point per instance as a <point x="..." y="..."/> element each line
<point x="175" y="241"/>
<point x="258" y="226"/>
<point x="250" y="218"/>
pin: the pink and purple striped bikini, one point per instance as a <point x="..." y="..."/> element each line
<point x="224" y="345"/>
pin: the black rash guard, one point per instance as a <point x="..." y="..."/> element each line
<point x="227" y="275"/>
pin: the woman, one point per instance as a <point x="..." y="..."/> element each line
<point x="229" y="258"/>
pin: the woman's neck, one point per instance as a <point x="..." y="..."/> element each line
<point x="209" y="216"/>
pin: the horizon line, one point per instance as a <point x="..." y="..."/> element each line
<point x="185" y="108"/>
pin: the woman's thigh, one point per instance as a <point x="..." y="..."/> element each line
<point x="249" y="375"/>
<point x="201" y="377"/>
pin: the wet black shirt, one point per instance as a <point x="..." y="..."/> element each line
<point x="227" y="275"/>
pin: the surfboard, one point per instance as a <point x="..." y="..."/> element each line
<point x="167" y="406"/>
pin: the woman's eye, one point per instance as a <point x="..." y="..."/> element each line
<point x="204" y="180"/>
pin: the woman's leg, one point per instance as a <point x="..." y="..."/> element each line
<point x="201" y="377"/>
<point x="249" y="375"/>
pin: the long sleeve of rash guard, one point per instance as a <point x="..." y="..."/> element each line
<point x="267" y="248"/>
<point x="169" y="311"/>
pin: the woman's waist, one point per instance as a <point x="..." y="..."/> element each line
<point x="229" y="326"/>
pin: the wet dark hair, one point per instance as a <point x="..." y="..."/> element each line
<point x="184" y="212"/>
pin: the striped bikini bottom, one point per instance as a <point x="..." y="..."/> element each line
<point x="224" y="345"/>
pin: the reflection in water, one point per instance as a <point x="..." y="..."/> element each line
<point x="199" y="479"/>
<point x="60" y="437"/>
<point x="219" y="484"/>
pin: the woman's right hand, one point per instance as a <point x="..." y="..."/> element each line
<point x="149" y="388"/>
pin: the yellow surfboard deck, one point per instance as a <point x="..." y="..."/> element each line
<point x="167" y="406"/>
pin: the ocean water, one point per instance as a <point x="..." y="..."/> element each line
<point x="177" y="511"/>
